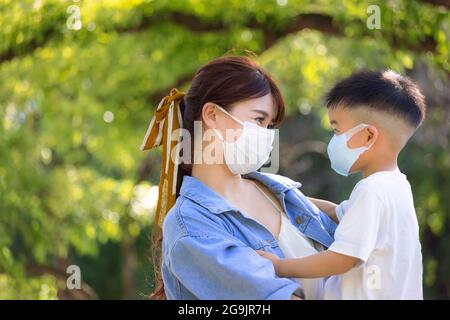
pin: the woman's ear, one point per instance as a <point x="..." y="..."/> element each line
<point x="209" y="115"/>
<point x="371" y="136"/>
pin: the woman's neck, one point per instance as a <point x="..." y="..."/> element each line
<point x="218" y="177"/>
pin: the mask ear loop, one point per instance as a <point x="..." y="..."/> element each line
<point x="233" y="117"/>
<point x="351" y="132"/>
<point x="238" y="121"/>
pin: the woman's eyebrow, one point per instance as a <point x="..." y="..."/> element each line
<point x="263" y="113"/>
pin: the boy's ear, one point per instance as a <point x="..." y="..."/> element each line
<point x="372" y="135"/>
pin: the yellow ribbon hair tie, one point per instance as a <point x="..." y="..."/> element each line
<point x="165" y="121"/>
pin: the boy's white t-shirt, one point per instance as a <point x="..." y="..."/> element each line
<point x="378" y="225"/>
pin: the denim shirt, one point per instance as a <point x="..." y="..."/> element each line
<point x="209" y="246"/>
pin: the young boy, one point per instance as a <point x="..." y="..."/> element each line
<point x="376" y="253"/>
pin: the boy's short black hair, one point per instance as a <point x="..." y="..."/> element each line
<point x="380" y="90"/>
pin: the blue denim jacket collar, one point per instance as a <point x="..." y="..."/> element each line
<point x="200" y="193"/>
<point x="276" y="186"/>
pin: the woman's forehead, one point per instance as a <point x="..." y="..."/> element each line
<point x="264" y="103"/>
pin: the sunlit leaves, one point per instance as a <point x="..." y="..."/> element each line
<point x="75" y="103"/>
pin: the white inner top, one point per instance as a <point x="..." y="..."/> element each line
<point x="295" y="244"/>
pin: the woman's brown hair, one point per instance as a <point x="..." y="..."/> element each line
<point x="223" y="81"/>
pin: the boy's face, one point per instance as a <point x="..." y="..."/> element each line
<point x="342" y="119"/>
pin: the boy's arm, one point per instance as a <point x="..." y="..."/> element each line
<point x="323" y="264"/>
<point x="326" y="206"/>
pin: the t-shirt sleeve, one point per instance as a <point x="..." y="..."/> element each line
<point x="359" y="227"/>
<point x="340" y="210"/>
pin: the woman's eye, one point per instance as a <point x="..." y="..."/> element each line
<point x="260" y="120"/>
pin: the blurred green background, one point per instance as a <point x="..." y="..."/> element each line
<point x="79" y="81"/>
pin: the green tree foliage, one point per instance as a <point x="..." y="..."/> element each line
<point x="76" y="95"/>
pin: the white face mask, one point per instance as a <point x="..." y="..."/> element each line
<point x="250" y="150"/>
<point x="341" y="156"/>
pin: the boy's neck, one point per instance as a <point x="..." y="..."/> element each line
<point x="378" y="166"/>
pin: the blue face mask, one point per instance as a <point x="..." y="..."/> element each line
<point x="341" y="156"/>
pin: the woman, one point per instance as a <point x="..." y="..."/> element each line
<point x="225" y="210"/>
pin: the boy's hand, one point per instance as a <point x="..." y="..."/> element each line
<point x="273" y="258"/>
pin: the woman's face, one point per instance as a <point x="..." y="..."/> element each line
<point x="219" y="124"/>
<point x="260" y="111"/>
